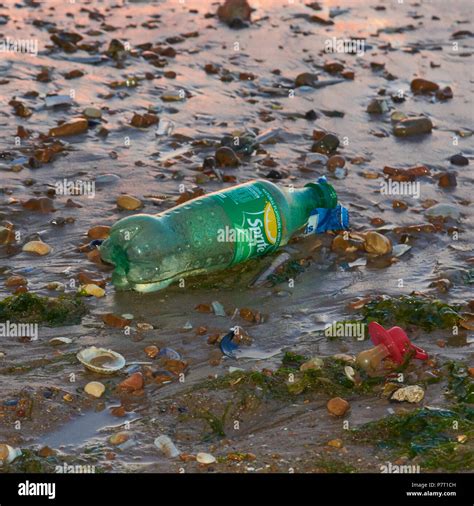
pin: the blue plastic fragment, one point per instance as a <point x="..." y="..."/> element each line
<point x="228" y="346"/>
<point x="10" y="402"/>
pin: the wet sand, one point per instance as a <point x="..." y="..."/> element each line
<point x="404" y="41"/>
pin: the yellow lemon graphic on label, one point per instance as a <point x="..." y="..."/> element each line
<point x="270" y="223"/>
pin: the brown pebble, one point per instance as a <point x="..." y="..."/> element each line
<point x="132" y="383"/>
<point x="16" y="281"/>
<point x="335" y="162"/>
<point x="99" y="232"/>
<point x="74" y="127"/>
<point x="225" y="157"/>
<point x="423" y="86"/>
<point x="129" y="203"/>
<point x="338" y="406"/>
<point x="447" y="180"/>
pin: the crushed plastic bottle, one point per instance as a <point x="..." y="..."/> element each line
<point x="216" y="231"/>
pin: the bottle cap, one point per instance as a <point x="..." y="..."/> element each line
<point x="321" y="220"/>
<point x="326" y="193"/>
<point x="396" y="341"/>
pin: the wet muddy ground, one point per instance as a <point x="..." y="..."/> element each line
<point x="250" y="418"/>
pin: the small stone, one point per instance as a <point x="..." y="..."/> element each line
<point x="234" y="13"/>
<point x="46" y="451"/>
<point x="313" y="363"/>
<point x="444" y="94"/>
<point x="152" y="351"/>
<point x="144" y="326"/>
<point x="94" y="388"/>
<point x="98" y="232"/>
<point x="397" y="116"/>
<point x="68" y="398"/>
<point x="119" y="438"/>
<point x="310" y="115"/>
<point x="93" y="290"/>
<point x="172" y="96"/>
<point x="73" y="127"/>
<point x="377" y="244"/>
<point x="305" y="79"/>
<point x="335" y="162"/>
<point x="14" y="281"/>
<point x="92" y="112"/>
<point x="447" y="180"/>
<point x="423" y="86"/>
<point x="459" y="160"/>
<point x="413" y="126"/>
<point x="129" y="203"/>
<point x="333" y="67"/>
<point x="37" y="247"/>
<point x="337" y="406"/>
<point x="132" y="383"/>
<point x="335" y="443"/>
<point x="400" y="205"/>
<point x="326" y="145"/>
<point x="144" y="120"/>
<point x="412" y="393"/>
<point x="115" y="321"/>
<point x="205" y="458"/>
<point x="225" y="157"/>
<point x="378" y="106"/>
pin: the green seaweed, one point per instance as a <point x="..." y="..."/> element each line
<point x="428" y="314"/>
<point x="293" y="359"/>
<point x="288" y="381"/>
<point x="216" y="423"/>
<point x="334" y="466"/>
<point x="460" y="384"/>
<point x="423" y="431"/>
<point x="33" y="308"/>
<point x="288" y="271"/>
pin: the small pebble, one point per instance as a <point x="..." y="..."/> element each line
<point x="94" y="388"/>
<point x="129" y="203"/>
<point x="459" y="160"/>
<point x="37" y="247"/>
<point x="93" y="290"/>
<point x="338" y="406"/>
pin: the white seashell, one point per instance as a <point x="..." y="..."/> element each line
<point x="8" y="454"/>
<point x="56" y="341"/>
<point x="101" y="360"/>
<point x="349" y="372"/>
<point x="413" y="393"/>
<point x="94" y="388"/>
<point x="166" y="446"/>
<point x="205" y="458"/>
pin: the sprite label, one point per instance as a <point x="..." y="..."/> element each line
<point x="255" y="220"/>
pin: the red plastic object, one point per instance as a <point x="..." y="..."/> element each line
<point x="396" y="341"/>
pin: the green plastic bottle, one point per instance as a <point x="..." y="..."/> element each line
<point x="215" y="231"/>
